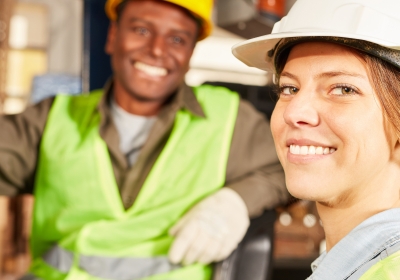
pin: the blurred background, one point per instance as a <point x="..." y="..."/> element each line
<point x="53" y="46"/>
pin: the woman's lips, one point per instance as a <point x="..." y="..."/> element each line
<point x="310" y="150"/>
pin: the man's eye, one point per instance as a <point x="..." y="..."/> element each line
<point x="177" y="40"/>
<point x="288" y="90"/>
<point x="141" y="31"/>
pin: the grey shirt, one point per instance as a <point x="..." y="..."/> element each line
<point x="132" y="129"/>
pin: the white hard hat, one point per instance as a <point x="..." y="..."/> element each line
<point x="342" y="21"/>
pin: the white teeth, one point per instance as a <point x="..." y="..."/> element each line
<point x="310" y="150"/>
<point x="151" y="70"/>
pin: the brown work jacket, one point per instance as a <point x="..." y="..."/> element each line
<point x="253" y="170"/>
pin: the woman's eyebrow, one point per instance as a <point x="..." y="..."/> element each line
<point x="331" y="74"/>
<point x="289" y="75"/>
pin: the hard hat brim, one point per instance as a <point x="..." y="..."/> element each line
<point x="202" y="14"/>
<point x="254" y="52"/>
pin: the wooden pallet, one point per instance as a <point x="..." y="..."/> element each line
<point x="15" y="224"/>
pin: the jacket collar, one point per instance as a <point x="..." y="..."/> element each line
<point x="184" y="98"/>
<point x="362" y="244"/>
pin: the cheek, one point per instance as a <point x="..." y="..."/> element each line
<point x="278" y="126"/>
<point x="182" y="59"/>
<point x="364" y="140"/>
<point x="278" y="123"/>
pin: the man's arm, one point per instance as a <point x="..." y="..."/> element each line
<point x="212" y="229"/>
<point x="253" y="170"/>
<point x="19" y="143"/>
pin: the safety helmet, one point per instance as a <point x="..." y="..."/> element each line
<point x="372" y="26"/>
<point x="201" y="9"/>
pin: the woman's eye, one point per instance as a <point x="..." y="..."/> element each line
<point x="286" y="90"/>
<point x="343" y="90"/>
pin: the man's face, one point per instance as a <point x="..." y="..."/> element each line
<point x="150" y="48"/>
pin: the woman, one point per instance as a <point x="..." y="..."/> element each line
<point x="336" y="126"/>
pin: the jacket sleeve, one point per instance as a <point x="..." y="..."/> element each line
<point x="253" y="168"/>
<point x="20" y="137"/>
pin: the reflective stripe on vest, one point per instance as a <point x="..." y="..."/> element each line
<point x="78" y="204"/>
<point x="362" y="272"/>
<point x="108" y="267"/>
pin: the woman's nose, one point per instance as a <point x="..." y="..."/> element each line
<point x="302" y="111"/>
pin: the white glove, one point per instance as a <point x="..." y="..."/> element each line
<point x="211" y="230"/>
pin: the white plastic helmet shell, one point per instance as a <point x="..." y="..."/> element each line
<point x="376" y="21"/>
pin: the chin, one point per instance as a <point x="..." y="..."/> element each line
<point x="304" y="189"/>
<point x="148" y="94"/>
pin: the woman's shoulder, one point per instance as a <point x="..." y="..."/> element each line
<point x="386" y="269"/>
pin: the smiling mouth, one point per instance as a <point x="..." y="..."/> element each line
<point x="150" y="70"/>
<point x="310" y="150"/>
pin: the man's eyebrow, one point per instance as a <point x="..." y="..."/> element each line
<point x="134" y="19"/>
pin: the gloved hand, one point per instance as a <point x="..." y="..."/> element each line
<point x="211" y="230"/>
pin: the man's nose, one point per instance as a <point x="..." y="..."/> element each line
<point x="158" y="46"/>
<point x="302" y="110"/>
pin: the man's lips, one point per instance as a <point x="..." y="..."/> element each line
<point x="150" y="70"/>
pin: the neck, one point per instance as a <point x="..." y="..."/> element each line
<point x="340" y="218"/>
<point x="136" y="106"/>
<point x="338" y="222"/>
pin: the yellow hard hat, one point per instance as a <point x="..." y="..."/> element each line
<point x="201" y="9"/>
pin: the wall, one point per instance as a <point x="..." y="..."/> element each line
<point x="65" y="35"/>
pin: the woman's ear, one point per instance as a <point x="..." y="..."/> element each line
<point x="396" y="152"/>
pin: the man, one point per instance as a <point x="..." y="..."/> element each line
<point x="128" y="180"/>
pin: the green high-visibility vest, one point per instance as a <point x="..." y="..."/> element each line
<point x="386" y="269"/>
<point x="80" y="227"/>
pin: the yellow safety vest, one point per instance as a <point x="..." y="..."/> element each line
<point x="80" y="228"/>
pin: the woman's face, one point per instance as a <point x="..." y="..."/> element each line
<point x="328" y="126"/>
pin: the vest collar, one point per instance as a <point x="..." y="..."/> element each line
<point x="184" y="98"/>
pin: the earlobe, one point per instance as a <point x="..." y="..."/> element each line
<point x="109" y="47"/>
<point x="396" y="152"/>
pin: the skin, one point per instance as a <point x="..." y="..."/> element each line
<point x="155" y="33"/>
<point x="327" y="99"/>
